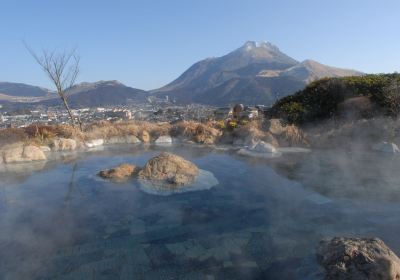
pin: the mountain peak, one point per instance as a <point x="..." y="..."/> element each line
<point x="251" y="45"/>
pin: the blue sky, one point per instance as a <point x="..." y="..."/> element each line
<point x="148" y="43"/>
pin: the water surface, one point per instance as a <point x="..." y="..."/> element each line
<point x="262" y="221"/>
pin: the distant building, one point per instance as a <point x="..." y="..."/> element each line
<point x="120" y="114"/>
<point x="143" y="114"/>
<point x="249" y="113"/>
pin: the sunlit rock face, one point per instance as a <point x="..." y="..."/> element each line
<point x="357" y="258"/>
<point x="19" y="153"/>
<point x="144" y="136"/>
<point x="120" y="173"/>
<point x="169" y="169"/>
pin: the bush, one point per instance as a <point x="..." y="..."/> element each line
<point x="320" y="99"/>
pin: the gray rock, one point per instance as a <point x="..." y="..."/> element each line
<point x="358" y="258"/>
<point x="386" y="147"/>
<point x="130" y="139"/>
<point x="45" y="149"/>
<point x="164" y="139"/>
<point x="94" y="143"/>
<point x="263" y="147"/>
<point x="275" y="126"/>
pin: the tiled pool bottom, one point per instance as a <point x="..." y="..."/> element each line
<point x="64" y="223"/>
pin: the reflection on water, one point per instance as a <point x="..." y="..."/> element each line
<point x="62" y="223"/>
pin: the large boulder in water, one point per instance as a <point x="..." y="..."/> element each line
<point x="121" y="172"/>
<point x="169" y="169"/>
<point x="358" y="258"/>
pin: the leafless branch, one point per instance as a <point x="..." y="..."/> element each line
<point x="62" y="68"/>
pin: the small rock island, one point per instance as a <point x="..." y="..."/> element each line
<point x="120" y="173"/>
<point x="164" y="174"/>
<point x="169" y="170"/>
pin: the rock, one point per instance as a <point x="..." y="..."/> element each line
<point x="13" y="153"/>
<point x="293" y="136"/>
<point x="386" y="147"/>
<point x="130" y="139"/>
<point x="358" y="258"/>
<point x="144" y="136"/>
<point x="250" y="134"/>
<point x="121" y="172"/>
<point x="263" y="147"/>
<point x="63" y="144"/>
<point x="164" y="139"/>
<point x="33" y="153"/>
<point x="45" y="149"/>
<point x="169" y="169"/>
<point x="275" y="126"/>
<point x="19" y="153"/>
<point x="94" y="143"/>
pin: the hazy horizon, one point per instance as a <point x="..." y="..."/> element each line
<point x="147" y="45"/>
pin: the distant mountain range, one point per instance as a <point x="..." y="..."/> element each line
<point x="101" y="93"/>
<point x="256" y="73"/>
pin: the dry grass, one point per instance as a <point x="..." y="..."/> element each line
<point x="38" y="134"/>
<point x="105" y="129"/>
<point x="208" y="133"/>
<point x="197" y="132"/>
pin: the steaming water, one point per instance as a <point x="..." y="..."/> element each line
<point x="63" y="223"/>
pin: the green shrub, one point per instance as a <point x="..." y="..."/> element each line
<point x="320" y="99"/>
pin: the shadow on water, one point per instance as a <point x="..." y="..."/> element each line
<point x="65" y="223"/>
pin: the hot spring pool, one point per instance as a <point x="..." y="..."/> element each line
<point x="262" y="221"/>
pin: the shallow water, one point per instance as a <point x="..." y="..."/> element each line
<point x="64" y="223"/>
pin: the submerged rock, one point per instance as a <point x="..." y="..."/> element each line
<point x="263" y="147"/>
<point x="94" y="143"/>
<point x="260" y="149"/>
<point x="63" y="144"/>
<point x="164" y="139"/>
<point x="121" y="172"/>
<point x="169" y="169"/>
<point x="358" y="258"/>
<point x="386" y="147"/>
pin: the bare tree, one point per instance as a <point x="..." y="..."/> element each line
<point x="62" y="68"/>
